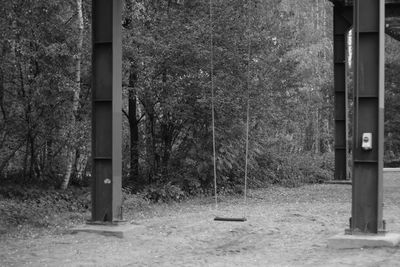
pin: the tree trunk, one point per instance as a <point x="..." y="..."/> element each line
<point x="68" y="172"/>
<point x="317" y="133"/>
<point x="71" y="152"/>
<point x="134" y="140"/>
<point x="151" y="152"/>
<point x="167" y="140"/>
<point x="25" y="167"/>
<point x="154" y="155"/>
<point x="32" y="151"/>
<point x="3" y="111"/>
<point x="134" y="130"/>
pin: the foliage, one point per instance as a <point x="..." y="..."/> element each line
<point x="392" y="105"/>
<point x="295" y="170"/>
<point x="20" y="205"/>
<point x="264" y="52"/>
<point x="38" y="51"/>
<point x="173" y="87"/>
<point x="163" y="193"/>
<point x="135" y="202"/>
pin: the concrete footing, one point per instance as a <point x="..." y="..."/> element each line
<point x="116" y="230"/>
<point x="391" y="169"/>
<point x="345" y="241"/>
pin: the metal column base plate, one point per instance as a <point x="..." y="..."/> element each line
<point x="345" y="241"/>
<point x="119" y="230"/>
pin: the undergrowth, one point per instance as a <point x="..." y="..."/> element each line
<point x="50" y="208"/>
<point x="295" y="170"/>
<point x="41" y="208"/>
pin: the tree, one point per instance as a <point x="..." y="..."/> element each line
<point x="72" y="150"/>
<point x="38" y="88"/>
<point x="392" y="98"/>
<point x="269" y="52"/>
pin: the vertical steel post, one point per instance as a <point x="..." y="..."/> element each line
<point x="369" y="29"/>
<point x="341" y="27"/>
<point x="106" y="111"/>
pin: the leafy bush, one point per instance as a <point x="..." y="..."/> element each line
<point x="135" y="202"/>
<point x="34" y="205"/>
<point x="306" y="168"/>
<point x="20" y="212"/>
<point x="163" y="193"/>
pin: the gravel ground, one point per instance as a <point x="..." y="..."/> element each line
<point x="284" y="227"/>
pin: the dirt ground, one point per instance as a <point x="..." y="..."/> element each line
<point x="285" y="227"/>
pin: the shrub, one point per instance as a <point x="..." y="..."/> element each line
<point x="137" y="201"/>
<point x="34" y="205"/>
<point x="294" y="170"/>
<point x="20" y="212"/>
<point x="163" y="193"/>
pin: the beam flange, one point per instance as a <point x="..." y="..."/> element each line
<point x="341" y="26"/>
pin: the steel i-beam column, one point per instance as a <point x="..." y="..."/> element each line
<point x="369" y="16"/>
<point x="106" y="113"/>
<point x="341" y="26"/>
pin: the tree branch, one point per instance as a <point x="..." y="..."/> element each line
<point x="125" y="113"/>
<point x="141" y="117"/>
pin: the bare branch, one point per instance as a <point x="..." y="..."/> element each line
<point x="141" y="117"/>
<point x="126" y="114"/>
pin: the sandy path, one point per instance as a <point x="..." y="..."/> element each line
<point x="285" y="227"/>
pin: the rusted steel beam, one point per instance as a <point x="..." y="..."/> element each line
<point x="369" y="45"/>
<point x="341" y="25"/>
<point x="106" y="111"/>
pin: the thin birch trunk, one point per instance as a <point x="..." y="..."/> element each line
<point x="71" y="153"/>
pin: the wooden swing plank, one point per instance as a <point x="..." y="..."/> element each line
<point x="227" y="219"/>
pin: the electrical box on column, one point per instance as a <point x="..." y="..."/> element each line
<point x="366" y="141"/>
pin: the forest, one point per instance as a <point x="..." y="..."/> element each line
<point x="275" y="53"/>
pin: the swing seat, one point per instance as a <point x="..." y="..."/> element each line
<point x="229" y="219"/>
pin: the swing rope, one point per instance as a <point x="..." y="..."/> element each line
<point x="212" y="103"/>
<point x="213" y="113"/>
<point x="248" y="104"/>
<point x="247" y="127"/>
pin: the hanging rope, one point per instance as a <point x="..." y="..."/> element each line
<point x="212" y="102"/>
<point x="248" y="107"/>
<point x="248" y="87"/>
